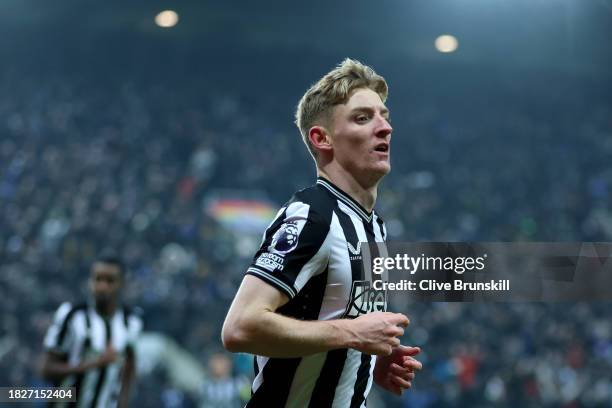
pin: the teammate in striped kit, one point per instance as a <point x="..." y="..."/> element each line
<point x="306" y="308"/>
<point x="90" y="346"/>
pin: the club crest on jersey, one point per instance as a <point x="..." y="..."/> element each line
<point x="285" y="239"/>
<point x="365" y="299"/>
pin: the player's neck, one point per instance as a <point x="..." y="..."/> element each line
<point x="365" y="195"/>
<point x="107" y="309"/>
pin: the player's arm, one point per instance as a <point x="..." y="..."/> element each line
<point x="253" y="326"/>
<point x="127" y="377"/>
<point x="53" y="366"/>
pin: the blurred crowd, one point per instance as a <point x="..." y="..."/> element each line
<point x="87" y="165"/>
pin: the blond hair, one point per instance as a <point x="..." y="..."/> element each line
<point x="335" y="88"/>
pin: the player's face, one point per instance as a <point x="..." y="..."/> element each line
<point x="105" y="282"/>
<point x="220" y="366"/>
<point x="361" y="136"/>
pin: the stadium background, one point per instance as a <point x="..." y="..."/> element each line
<point x="174" y="145"/>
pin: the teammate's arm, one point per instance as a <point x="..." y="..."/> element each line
<point x="54" y="368"/>
<point x="253" y="326"/>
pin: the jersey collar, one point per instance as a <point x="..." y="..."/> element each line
<point x="345" y="198"/>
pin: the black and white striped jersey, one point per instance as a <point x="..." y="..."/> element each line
<point x="79" y="333"/>
<point x="312" y="253"/>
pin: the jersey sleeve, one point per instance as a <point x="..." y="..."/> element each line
<point x="60" y="335"/>
<point x="293" y="250"/>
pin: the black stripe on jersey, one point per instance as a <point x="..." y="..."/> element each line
<point x="325" y="387"/>
<point x="363" y="375"/>
<point x="126" y="312"/>
<point x="102" y="376"/>
<point x="369" y="229"/>
<point x="307" y="304"/>
<point x="381" y="224"/>
<point x="278" y="375"/>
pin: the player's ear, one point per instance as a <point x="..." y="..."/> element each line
<point x="320" y="138"/>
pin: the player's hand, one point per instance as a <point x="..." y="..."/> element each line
<point x="396" y="372"/>
<point x="109" y="356"/>
<point x="378" y="333"/>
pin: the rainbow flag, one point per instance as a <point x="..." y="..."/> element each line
<point x="242" y="215"/>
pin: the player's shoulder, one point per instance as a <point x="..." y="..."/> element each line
<point x="66" y="312"/>
<point x="314" y="201"/>
<point x="69" y="308"/>
<point x="132" y="311"/>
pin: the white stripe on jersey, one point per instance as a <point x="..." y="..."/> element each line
<point x="297" y="211"/>
<point x="336" y="293"/>
<point x="371" y="379"/>
<point x="304" y="380"/>
<point x="346" y="384"/>
<point x="51" y="341"/>
<point x="261" y="363"/>
<point x="316" y="265"/>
